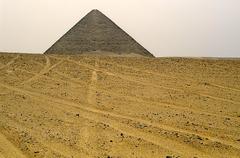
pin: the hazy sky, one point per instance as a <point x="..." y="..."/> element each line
<point x="164" y="27"/>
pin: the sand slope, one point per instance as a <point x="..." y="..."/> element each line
<point x="117" y="107"/>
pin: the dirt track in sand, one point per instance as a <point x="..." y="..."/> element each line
<point x="91" y="106"/>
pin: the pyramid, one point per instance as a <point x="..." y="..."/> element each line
<point x="97" y="33"/>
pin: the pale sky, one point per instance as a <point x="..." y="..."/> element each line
<point x="164" y="27"/>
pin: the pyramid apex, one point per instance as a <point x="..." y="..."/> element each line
<point x="95" y="10"/>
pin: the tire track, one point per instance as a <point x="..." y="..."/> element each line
<point x="123" y="77"/>
<point x="224" y="87"/>
<point x="74" y="81"/>
<point x="55" y="79"/>
<point x="163" y="75"/>
<point x="10" y="62"/>
<point x="96" y="111"/>
<point x="83" y="114"/>
<point x="141" y="100"/>
<point x="90" y="113"/>
<point x="45" y="70"/>
<point x="139" y="70"/>
<point x="8" y="150"/>
<point x="45" y="144"/>
<point x="177" y="107"/>
<point x="91" y="98"/>
<point x="152" y="85"/>
<point x="167" y="144"/>
<point x="218" y="98"/>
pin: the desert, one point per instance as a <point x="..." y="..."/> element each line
<point x="114" y="107"/>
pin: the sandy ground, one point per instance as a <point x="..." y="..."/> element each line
<point x="116" y="107"/>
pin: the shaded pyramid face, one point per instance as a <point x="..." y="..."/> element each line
<point x="97" y="33"/>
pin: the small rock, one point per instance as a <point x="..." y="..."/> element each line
<point x="200" y="138"/>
